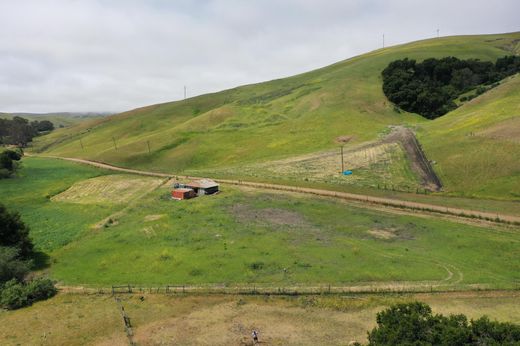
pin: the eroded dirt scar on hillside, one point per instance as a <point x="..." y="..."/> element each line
<point x="419" y="163"/>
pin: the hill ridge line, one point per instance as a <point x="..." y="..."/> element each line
<point x="385" y="201"/>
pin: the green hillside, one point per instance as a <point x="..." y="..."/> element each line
<point x="477" y="146"/>
<point x="289" y="117"/>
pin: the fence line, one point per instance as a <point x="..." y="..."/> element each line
<point x="253" y="289"/>
<point x="126" y="320"/>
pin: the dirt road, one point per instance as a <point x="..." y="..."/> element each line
<point x="389" y="202"/>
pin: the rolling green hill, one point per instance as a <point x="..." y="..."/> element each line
<point x="477" y="146"/>
<point x="306" y="114"/>
<point x="62" y="119"/>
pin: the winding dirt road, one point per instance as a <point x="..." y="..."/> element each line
<point x="383" y="201"/>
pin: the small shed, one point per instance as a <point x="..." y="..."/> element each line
<point x="203" y="186"/>
<point x="183" y="193"/>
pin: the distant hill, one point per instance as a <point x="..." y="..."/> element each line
<point x="60" y="119"/>
<point x="312" y="112"/>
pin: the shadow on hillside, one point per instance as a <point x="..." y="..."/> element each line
<point x="41" y="260"/>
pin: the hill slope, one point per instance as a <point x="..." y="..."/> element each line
<point x="477" y="146"/>
<point x="272" y="120"/>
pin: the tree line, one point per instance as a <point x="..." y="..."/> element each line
<point x="16" y="261"/>
<point x="430" y="88"/>
<point x="20" y="131"/>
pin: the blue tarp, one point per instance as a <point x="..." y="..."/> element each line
<point x="347" y="172"/>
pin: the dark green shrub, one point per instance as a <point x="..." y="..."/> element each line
<point x="13" y="295"/>
<point x="11" y="266"/>
<point x="40" y="289"/>
<point x="14" y="233"/>
<point x="414" y="324"/>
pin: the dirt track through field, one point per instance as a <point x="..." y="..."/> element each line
<point x="383" y="201"/>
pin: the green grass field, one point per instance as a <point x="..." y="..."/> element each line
<point x="242" y="236"/>
<point x="305" y="114"/>
<point x="53" y="225"/>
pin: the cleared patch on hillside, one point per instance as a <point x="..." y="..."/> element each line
<point x="382" y="163"/>
<point x="109" y="189"/>
<point x="508" y="130"/>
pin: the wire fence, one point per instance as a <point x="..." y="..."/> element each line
<point x="326" y="289"/>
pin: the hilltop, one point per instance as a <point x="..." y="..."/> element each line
<point x="313" y="114"/>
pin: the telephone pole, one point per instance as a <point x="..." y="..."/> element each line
<point x="383" y="40"/>
<point x="185" y="92"/>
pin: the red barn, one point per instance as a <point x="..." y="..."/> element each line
<point x="183" y="194"/>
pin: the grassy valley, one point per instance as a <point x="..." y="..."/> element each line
<point x="94" y="228"/>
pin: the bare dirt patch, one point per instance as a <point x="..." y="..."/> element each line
<point x="273" y="216"/>
<point x="382" y="234"/>
<point x="390" y="234"/>
<point x="343" y="139"/>
<point x="153" y="217"/>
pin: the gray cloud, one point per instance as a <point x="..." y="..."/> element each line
<point x="103" y="55"/>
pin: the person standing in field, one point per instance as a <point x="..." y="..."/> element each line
<point x="254" y="334"/>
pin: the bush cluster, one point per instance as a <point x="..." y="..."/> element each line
<point x="429" y="88"/>
<point x="8" y="164"/>
<point x="15" y="294"/>
<point x="16" y="252"/>
<point x="414" y="324"/>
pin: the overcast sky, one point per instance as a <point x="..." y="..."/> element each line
<point x="110" y="55"/>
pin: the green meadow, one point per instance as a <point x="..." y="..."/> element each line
<point x="243" y="237"/>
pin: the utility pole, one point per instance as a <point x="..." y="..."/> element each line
<point x="437" y="33"/>
<point x="115" y="144"/>
<point x="383" y="40"/>
<point x="185" y="92"/>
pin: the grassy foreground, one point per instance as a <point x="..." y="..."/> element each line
<point x="226" y="320"/>
<point x="241" y="236"/>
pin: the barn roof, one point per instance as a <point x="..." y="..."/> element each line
<point x="202" y="183"/>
